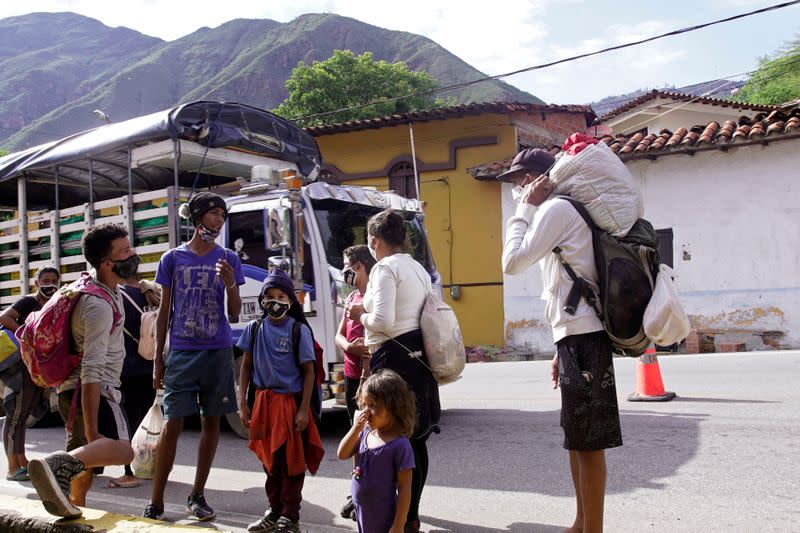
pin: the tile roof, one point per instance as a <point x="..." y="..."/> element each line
<point x="762" y="128"/>
<point x="684" y="97"/>
<point x="488" y="171"/>
<point x="441" y="113"/>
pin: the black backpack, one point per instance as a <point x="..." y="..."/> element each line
<point x="316" y="392"/>
<point x="627" y="268"/>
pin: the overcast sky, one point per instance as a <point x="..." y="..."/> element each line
<point x="504" y="35"/>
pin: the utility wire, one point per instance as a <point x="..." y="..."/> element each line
<point x="557" y="62"/>
<point x="721" y="78"/>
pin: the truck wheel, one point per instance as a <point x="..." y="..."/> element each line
<point x="233" y="420"/>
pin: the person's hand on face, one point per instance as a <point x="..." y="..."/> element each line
<point x="538" y="190"/>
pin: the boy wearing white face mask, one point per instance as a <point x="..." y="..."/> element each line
<point x="283" y="434"/>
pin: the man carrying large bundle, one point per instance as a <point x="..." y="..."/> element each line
<point x="582" y="366"/>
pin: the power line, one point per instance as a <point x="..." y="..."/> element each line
<point x="557" y="62"/>
<point x="747" y="73"/>
<point x="704" y="95"/>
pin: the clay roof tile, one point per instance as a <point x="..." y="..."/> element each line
<point x="709" y="133"/>
<point x="775" y="127"/>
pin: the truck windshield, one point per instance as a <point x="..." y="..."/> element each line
<point x="343" y="224"/>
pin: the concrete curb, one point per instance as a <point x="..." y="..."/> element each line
<point x="20" y="515"/>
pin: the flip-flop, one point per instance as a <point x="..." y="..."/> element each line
<point x="114" y="484"/>
<point x="20" y="475"/>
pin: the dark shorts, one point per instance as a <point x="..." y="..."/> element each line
<point x="111" y="421"/>
<point x="199" y="380"/>
<point x="589" y="412"/>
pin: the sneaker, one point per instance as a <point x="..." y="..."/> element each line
<point x="267" y="523"/>
<point x="287" y="526"/>
<point x="51" y="477"/>
<point x="196" y="504"/>
<point x="153" y="513"/>
<point x="348" y="510"/>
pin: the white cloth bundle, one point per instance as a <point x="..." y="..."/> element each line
<point x="603" y="184"/>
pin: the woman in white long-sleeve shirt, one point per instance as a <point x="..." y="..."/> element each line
<point x="390" y="313"/>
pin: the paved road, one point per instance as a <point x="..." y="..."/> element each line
<point x="721" y="457"/>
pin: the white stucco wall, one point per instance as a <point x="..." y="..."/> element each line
<point x="660" y="117"/>
<point x="736" y="214"/>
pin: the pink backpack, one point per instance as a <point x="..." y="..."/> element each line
<point x="46" y="341"/>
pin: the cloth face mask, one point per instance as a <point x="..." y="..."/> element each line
<point x="206" y="234"/>
<point x="276" y="309"/>
<point x="127" y="268"/>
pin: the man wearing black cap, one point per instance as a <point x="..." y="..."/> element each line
<point x="197" y="373"/>
<point x="582" y="366"/>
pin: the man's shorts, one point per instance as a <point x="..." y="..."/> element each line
<point x="589" y="412"/>
<point x="199" y="379"/>
<point x="111" y="420"/>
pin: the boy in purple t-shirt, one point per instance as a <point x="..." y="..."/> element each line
<point x="198" y="371"/>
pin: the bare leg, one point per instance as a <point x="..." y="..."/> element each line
<point x="592" y="468"/>
<point x="577" y="525"/>
<point x="207" y="449"/>
<point x="165" y="457"/>
<point x="13" y="463"/>
<point x="79" y="488"/>
<point x="104" y="452"/>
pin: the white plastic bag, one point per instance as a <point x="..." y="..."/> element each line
<point x="665" y="322"/>
<point x="603" y="184"/>
<point x="441" y="336"/>
<point x="145" y="442"/>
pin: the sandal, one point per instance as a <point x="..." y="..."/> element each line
<point x="20" y="475"/>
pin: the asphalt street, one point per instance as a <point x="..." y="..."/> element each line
<point x="720" y="457"/>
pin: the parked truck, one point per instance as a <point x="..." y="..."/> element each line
<point x="139" y="171"/>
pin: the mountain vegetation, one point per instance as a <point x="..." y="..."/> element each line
<point x="777" y="79"/>
<point x="60" y="67"/>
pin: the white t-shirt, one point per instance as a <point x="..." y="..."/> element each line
<point x="394" y="298"/>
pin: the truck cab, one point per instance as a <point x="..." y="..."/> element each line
<point x="305" y="232"/>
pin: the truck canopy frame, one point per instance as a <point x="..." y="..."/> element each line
<point x="95" y="164"/>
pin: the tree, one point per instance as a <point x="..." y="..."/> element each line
<point x="345" y="80"/>
<point x="777" y="80"/>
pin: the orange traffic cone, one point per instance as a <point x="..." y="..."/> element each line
<point x="649" y="386"/>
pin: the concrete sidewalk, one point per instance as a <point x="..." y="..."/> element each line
<point x="24" y="515"/>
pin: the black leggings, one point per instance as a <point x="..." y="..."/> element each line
<point x="350" y="389"/>
<point x="18" y="407"/>
<point x="418" y="476"/>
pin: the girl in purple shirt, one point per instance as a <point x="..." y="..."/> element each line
<point x="381" y="482"/>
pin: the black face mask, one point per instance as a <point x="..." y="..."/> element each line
<point x="48" y="290"/>
<point x="275" y="308"/>
<point x="127" y="268"/>
<point x="349" y="276"/>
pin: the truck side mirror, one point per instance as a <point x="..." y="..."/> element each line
<point x="279" y="228"/>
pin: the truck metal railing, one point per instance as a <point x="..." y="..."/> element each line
<point x="37" y="239"/>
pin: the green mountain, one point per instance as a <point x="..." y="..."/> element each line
<point x="49" y="60"/>
<point x="127" y="74"/>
